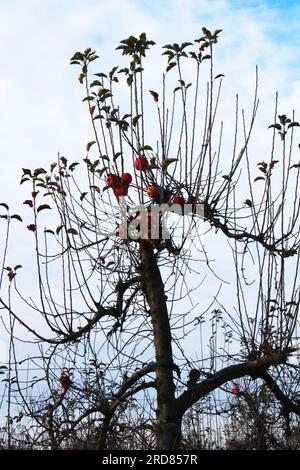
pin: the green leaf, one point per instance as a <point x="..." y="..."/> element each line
<point x="135" y="119"/>
<point x="146" y="147"/>
<point x="3" y="204"/>
<point x="94" y="165"/>
<point x="58" y="229"/>
<point x="102" y="170"/>
<point x="88" y="98"/>
<point x="294" y="124"/>
<point x="116" y="155"/>
<point x="129" y="80"/>
<point x="73" y="165"/>
<point x="72" y="231"/>
<point x="49" y="231"/>
<point x="93" y="57"/>
<point x="77" y="56"/>
<point x="112" y="72"/>
<point x="185" y="44"/>
<point x="168" y="161"/>
<point x="259" y="178"/>
<point x="168" y="46"/>
<point x="95" y="83"/>
<point x="101" y="74"/>
<point x="276" y="126"/>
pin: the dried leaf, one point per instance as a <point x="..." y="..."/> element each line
<point x="296" y="165"/>
<point x="39" y="171"/>
<point x="17" y="217"/>
<point x="82" y="196"/>
<point x="273" y="163"/>
<point x="259" y="178"/>
<point x="28" y="202"/>
<point x="42" y="207"/>
<point x="170" y="66"/>
<point x="154" y="94"/>
<point x="3" y="204"/>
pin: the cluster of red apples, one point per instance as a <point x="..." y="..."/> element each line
<point x="120" y="184"/>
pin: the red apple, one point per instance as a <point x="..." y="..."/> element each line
<point x="236" y="391"/>
<point x="178" y="200"/>
<point x="121" y="191"/>
<point x="152" y="191"/>
<point x="141" y="163"/>
<point x="126" y="178"/>
<point x="113" y="181"/>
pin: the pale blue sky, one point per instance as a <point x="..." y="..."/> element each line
<point x="40" y="99"/>
<point x="40" y="108"/>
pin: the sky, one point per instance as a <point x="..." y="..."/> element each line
<point x="41" y="112"/>
<point x="40" y="98"/>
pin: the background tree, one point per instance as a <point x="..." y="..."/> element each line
<point x="123" y="330"/>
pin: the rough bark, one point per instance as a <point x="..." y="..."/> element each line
<point x="255" y="368"/>
<point x="170" y="410"/>
<point x="168" y="423"/>
<point x="102" y="438"/>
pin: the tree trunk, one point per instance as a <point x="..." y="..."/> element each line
<point x="168" y="423"/>
<point x="102" y="437"/>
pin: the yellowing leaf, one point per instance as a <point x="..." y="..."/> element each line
<point x="89" y="145"/>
